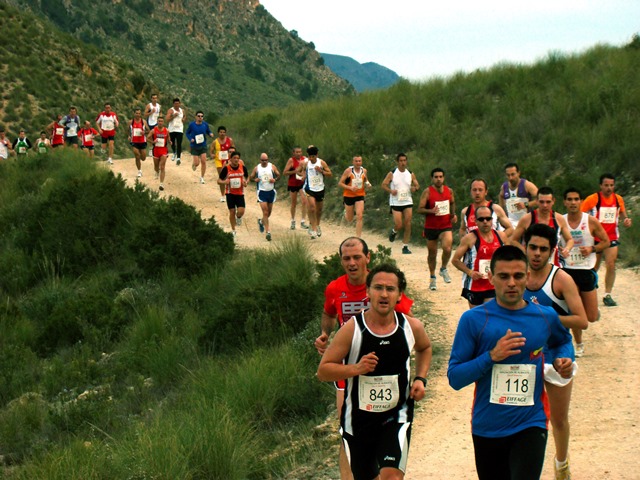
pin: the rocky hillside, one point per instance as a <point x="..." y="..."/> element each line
<point x="220" y="56"/>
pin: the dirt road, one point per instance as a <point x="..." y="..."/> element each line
<point x="605" y="409"/>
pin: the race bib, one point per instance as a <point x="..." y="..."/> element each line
<point x="357" y="182"/>
<point x="199" y="138"/>
<point x="265" y="178"/>
<point x="137" y="132"/>
<point x="160" y="142"/>
<point x="512" y="205"/>
<point x="224" y="155"/>
<point x="484" y="266"/>
<point x="88" y="137"/>
<point x="22" y="149"/>
<point x="72" y="132"/>
<point x="315" y="180"/>
<point x="235" y="182"/>
<point x="608" y="214"/>
<point x="108" y="124"/>
<point x="378" y="394"/>
<point x="42" y="149"/>
<point x="442" y="208"/>
<point x="59" y="131"/>
<point x="576" y="259"/>
<point x="513" y="385"/>
<point x="404" y="195"/>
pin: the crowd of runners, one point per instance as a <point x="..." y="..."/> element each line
<point x="529" y="277"/>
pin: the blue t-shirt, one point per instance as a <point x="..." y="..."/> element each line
<point x="478" y="332"/>
<point x="193" y="130"/>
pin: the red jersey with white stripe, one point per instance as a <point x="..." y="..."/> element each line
<point x="58" y="134"/>
<point x="442" y="201"/>
<point x="86" y="136"/>
<point x="136" y="131"/>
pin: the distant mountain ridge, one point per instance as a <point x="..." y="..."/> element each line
<point x="363" y="76"/>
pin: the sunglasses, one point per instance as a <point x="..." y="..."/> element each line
<point x="483" y="219"/>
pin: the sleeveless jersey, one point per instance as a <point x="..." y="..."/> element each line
<point x="4" y="149"/>
<point x="154" y="113"/>
<point x="606" y="210"/>
<point x="71" y="125"/>
<point x="222" y="149"/>
<point x="136" y="130"/>
<point x="295" y="180"/>
<point x="315" y="180"/>
<point x="441" y="201"/>
<point x="160" y="141"/>
<point x="57" y="138"/>
<point x="265" y="174"/>
<point x="400" y="181"/>
<point x="357" y="180"/>
<point x="42" y="146"/>
<point x="478" y="258"/>
<point x="511" y="197"/>
<point x="546" y="296"/>
<point x="470" y="218"/>
<point x="381" y="396"/>
<point x="21" y="146"/>
<point x="582" y="237"/>
<point x="235" y="176"/>
<point x="175" y="124"/>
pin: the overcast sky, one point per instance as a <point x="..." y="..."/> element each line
<point x="419" y="39"/>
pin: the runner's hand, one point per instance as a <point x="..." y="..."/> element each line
<point x="321" y="343"/>
<point x="507" y="346"/>
<point x="417" y="391"/>
<point x="367" y="363"/>
<point x="564" y="366"/>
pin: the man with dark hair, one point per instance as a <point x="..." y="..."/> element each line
<point x="313" y="170"/>
<point x="580" y="263"/>
<point x="197" y="133"/>
<point x="372" y="354"/>
<point x="476" y="248"/>
<point x="544" y="214"/>
<point x="221" y="148"/>
<point x="498" y="346"/>
<point x="294" y="187"/>
<point x="550" y="286"/>
<point x="400" y="183"/>
<point x="438" y="204"/>
<point x="71" y="125"/>
<point x="345" y="297"/>
<point x="176" y="117"/>
<point x="107" y="122"/>
<point x="608" y="207"/>
<point x="234" y="177"/>
<point x="21" y="145"/>
<point x="517" y="195"/>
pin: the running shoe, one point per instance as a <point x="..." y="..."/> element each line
<point x="222" y="199"/>
<point x="304" y="224"/>
<point x="392" y="235"/>
<point x="562" y="473"/>
<point x="269" y="236"/>
<point x="202" y="180"/>
<point x="609" y="302"/>
<point x="239" y="221"/>
<point x="432" y="282"/>
<point x="293" y="224"/>
<point x="233" y="232"/>
<point x="110" y="161"/>
<point x="444" y="273"/>
<point x="319" y="231"/>
<point x="139" y="173"/>
<point x="261" y="226"/>
<point x="178" y="161"/>
<point x="173" y="157"/>
<point x="161" y="187"/>
<point x="406" y="251"/>
<point x="312" y="234"/>
<point x="579" y="350"/>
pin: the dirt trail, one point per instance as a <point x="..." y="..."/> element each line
<point x="605" y="409"/>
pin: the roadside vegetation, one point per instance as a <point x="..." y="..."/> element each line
<point x="565" y="120"/>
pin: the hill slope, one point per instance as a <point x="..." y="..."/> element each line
<point x="222" y="57"/>
<point x="363" y="76"/>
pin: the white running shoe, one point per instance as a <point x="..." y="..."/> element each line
<point x="161" y="187"/>
<point x="178" y="161"/>
<point x="319" y="231"/>
<point x="239" y="221"/>
<point x="304" y="224"/>
<point x="173" y="157"/>
<point x="139" y="173"/>
<point x="444" y="273"/>
<point x="110" y="161"/>
<point x="312" y="234"/>
<point x="293" y="224"/>
<point x="222" y="199"/>
<point x="202" y="180"/>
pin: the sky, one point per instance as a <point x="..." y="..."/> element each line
<point x="421" y="39"/>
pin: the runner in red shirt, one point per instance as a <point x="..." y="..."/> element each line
<point x="439" y="205"/>
<point x="344" y="297"/>
<point x="86" y="135"/>
<point x="138" y="131"/>
<point x="56" y="130"/>
<point x="160" y="139"/>
<point x="294" y="187"/>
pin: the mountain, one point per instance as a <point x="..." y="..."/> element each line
<point x="363" y="76"/>
<point x="219" y="56"/>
